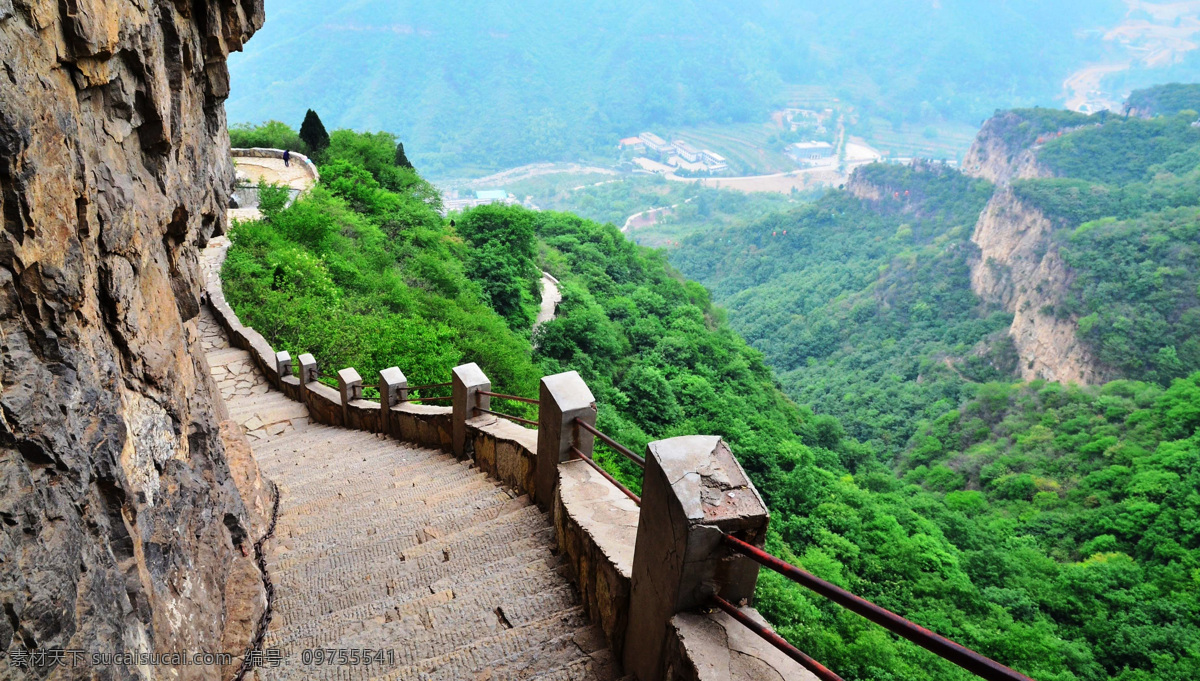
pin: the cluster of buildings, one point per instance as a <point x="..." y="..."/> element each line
<point x="812" y="153"/>
<point x="675" y="155"/>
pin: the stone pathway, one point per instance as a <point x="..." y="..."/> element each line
<point x="551" y="297"/>
<point x="384" y="546"/>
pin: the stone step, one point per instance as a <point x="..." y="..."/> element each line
<point x="321" y="587"/>
<point x="309" y="498"/>
<point x="399" y="529"/>
<point x="551" y="643"/>
<point x="306" y="475"/>
<point x="390" y="531"/>
<point x="417" y="600"/>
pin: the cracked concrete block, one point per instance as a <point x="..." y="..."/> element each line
<point x="694" y="492"/>
<point x="715" y="647"/>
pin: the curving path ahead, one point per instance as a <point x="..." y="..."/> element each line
<point x="551" y="297"/>
<point x="383" y="545"/>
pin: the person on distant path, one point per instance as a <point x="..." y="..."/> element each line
<point x="287" y="156"/>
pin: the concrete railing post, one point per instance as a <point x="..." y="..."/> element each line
<point x="562" y="399"/>
<point x="468" y="380"/>
<point x="308" y="374"/>
<point x="693" y="492"/>
<point x="393" y="388"/>
<point x="283" y="364"/>
<point x="350" y="386"/>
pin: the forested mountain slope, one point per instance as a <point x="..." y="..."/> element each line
<point x="1055" y="529"/>
<point x="494" y="84"/>
<point x="907" y="306"/>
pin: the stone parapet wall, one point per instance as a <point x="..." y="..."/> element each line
<point x="260" y="152"/>
<point x="596" y="527"/>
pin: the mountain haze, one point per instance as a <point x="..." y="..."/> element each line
<point x="493" y="84"/>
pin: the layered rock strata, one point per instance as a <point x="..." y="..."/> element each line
<point x="122" y="528"/>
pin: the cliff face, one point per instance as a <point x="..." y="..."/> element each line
<point x="120" y="522"/>
<point x="996" y="156"/>
<point x="1019" y="267"/>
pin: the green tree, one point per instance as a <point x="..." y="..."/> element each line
<point x="402" y="159"/>
<point x="502" y="259"/>
<point x="312" y="132"/>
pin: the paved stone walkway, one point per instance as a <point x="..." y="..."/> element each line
<point x="386" y="546"/>
<point x="551" y="297"/>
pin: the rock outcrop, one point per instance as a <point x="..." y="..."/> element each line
<point x="996" y="155"/>
<point x="1019" y="267"/>
<point x="122" y="528"/>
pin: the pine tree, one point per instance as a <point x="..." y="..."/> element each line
<point x="401" y="159"/>
<point x="313" y="133"/>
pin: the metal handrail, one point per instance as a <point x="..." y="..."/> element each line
<point x="431" y="385"/>
<point x="425" y="399"/>
<point x="628" y="492"/>
<point x="612" y="443"/>
<point x="939" y="645"/>
<point x="514" y="398"/>
<point x="510" y="417"/>
<point x="776" y="640"/>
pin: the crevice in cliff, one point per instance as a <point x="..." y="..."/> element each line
<point x="260" y="556"/>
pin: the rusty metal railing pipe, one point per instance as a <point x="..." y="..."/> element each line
<point x="819" y="670"/>
<point x="427" y="399"/>
<point x="628" y="492"/>
<point x="431" y="385"/>
<point x="510" y="417"/>
<point x="941" y="646"/>
<point x="514" y="398"/>
<point x="612" y="443"/>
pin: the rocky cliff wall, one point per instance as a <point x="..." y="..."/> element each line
<point x="997" y="157"/>
<point x="1019" y="267"/>
<point x="121" y="526"/>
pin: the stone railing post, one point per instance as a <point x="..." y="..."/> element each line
<point x="393" y="388"/>
<point x="283" y="364"/>
<point x="693" y="492"/>
<point x="468" y="380"/>
<point x="350" y="386"/>
<point x="308" y="374"/>
<point x="562" y="399"/>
